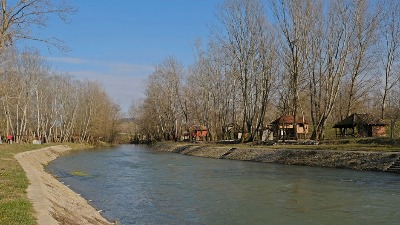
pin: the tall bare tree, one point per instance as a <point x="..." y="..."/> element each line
<point x="390" y="33"/>
<point x="330" y="46"/>
<point x="244" y="25"/>
<point x="364" y="22"/>
<point x="211" y="90"/>
<point x="293" y="19"/>
<point x="162" y="92"/>
<point x="18" y="19"/>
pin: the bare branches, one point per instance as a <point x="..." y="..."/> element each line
<point x="19" y="18"/>
<point x="313" y="53"/>
<point x="390" y="48"/>
<point x="37" y="103"/>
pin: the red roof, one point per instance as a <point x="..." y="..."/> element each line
<point x="198" y="128"/>
<point x="289" y="119"/>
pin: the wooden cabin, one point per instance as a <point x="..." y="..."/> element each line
<point x="185" y="136"/>
<point x="284" y="129"/>
<point x="360" y="125"/>
<point x="231" y="131"/>
<point x="198" y="132"/>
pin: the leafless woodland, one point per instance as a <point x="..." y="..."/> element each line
<point x="315" y="58"/>
<point x="36" y="102"/>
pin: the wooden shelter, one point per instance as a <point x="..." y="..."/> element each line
<point x="231" y="131"/>
<point x="185" y="136"/>
<point x="363" y="125"/>
<point x="198" y="132"/>
<point x="284" y="129"/>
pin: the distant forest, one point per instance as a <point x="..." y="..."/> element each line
<point x="323" y="60"/>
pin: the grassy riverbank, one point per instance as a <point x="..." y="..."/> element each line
<point x="15" y="207"/>
<point x="344" y="144"/>
<point x="358" y="154"/>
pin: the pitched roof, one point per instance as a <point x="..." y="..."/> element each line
<point x="289" y="119"/>
<point x="359" y="118"/>
<point x="198" y="127"/>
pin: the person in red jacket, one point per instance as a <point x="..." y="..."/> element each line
<point x="9" y="139"/>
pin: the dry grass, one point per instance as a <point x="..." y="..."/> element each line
<point x="348" y="144"/>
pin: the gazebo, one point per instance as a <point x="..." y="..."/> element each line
<point x="360" y="124"/>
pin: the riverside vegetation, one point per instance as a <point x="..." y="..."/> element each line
<point x="15" y="207"/>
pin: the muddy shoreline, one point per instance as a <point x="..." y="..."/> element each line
<point x="356" y="160"/>
<point x="53" y="202"/>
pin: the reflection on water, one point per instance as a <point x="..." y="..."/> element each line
<point x="134" y="185"/>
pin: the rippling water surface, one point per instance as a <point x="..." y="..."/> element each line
<point x="134" y="185"/>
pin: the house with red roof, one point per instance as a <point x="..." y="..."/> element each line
<point x="284" y="127"/>
<point x="198" y="132"/>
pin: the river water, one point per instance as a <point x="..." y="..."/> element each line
<point x="134" y="185"/>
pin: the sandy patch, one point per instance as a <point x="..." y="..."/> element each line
<point x="54" y="202"/>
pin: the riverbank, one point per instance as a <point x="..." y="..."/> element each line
<point x="357" y="160"/>
<point x="53" y="202"/>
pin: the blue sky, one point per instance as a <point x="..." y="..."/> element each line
<point x="118" y="42"/>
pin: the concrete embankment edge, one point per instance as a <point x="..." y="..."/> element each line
<point x="357" y="160"/>
<point x="54" y="202"/>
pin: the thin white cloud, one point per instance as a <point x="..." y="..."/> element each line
<point x="127" y="68"/>
<point x="68" y="60"/>
<point x="121" y="66"/>
<point x="123" y="89"/>
<point x="124" y="82"/>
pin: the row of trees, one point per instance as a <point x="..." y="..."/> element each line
<point x="38" y="103"/>
<point x="320" y="59"/>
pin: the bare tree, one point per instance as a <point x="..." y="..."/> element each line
<point x="244" y="26"/>
<point x="293" y="19"/>
<point x="162" y="92"/>
<point x="364" y="20"/>
<point x="211" y="90"/>
<point x="330" y="47"/>
<point x="201" y="78"/>
<point x="18" y="19"/>
<point x="390" y="33"/>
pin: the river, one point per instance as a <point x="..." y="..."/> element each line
<point x="134" y="185"/>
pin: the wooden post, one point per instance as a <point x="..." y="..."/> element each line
<point x="392" y="123"/>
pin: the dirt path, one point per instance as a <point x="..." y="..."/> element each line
<point x="54" y="202"/>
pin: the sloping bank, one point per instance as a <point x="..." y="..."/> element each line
<point x="54" y="202"/>
<point x="358" y="160"/>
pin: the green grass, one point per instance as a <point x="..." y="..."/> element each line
<point x="363" y="144"/>
<point x="15" y="207"/>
